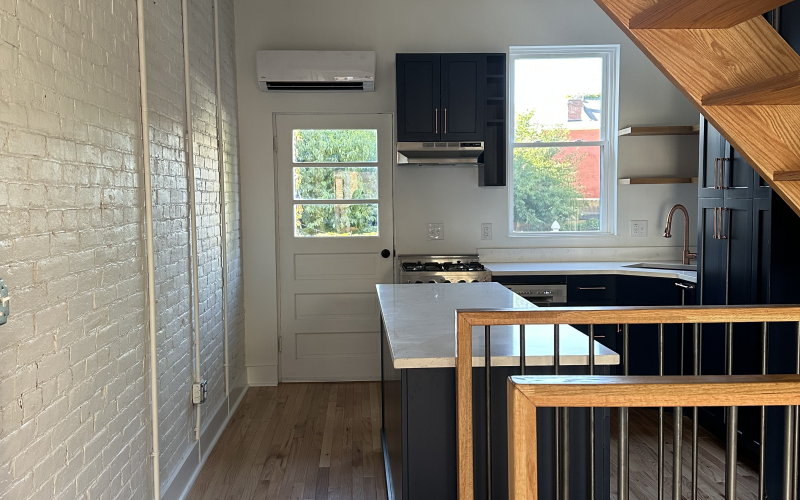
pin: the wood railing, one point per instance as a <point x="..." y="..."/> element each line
<point x="758" y="389"/>
<point x="526" y="394"/>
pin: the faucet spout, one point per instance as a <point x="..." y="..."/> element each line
<point x="687" y="255"/>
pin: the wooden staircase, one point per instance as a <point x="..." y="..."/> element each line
<point x="735" y="68"/>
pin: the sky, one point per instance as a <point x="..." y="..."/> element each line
<point x="544" y="84"/>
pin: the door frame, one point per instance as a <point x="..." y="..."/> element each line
<point x="393" y="158"/>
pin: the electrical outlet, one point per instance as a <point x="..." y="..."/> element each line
<point x="435" y="231"/>
<point x="199" y="392"/>
<point x="638" y="228"/>
<point x="486" y="231"/>
<point x="4" y="307"/>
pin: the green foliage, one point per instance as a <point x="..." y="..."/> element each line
<point x="336" y="183"/>
<point x="545" y="180"/>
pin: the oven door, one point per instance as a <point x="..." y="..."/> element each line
<point x="542" y="295"/>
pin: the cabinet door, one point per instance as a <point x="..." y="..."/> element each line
<point x="712" y="253"/>
<point x="762" y="232"/>
<point x="737" y="229"/>
<point x="761" y="189"/>
<point x="418" y="97"/>
<point x="712" y="147"/>
<point x="736" y="175"/>
<point x="463" y="97"/>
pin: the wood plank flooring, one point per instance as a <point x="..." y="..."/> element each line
<point x="643" y="457"/>
<point x="299" y="442"/>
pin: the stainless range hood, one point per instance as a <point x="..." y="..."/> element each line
<point x="440" y="153"/>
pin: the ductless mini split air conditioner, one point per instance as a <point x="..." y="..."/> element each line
<point x="316" y="71"/>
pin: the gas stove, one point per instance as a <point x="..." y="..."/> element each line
<point x="442" y="269"/>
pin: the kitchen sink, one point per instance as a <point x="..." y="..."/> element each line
<point x="671" y="267"/>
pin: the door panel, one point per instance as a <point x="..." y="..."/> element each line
<point x="711" y="150"/>
<point x="737" y="175"/>
<point x="330" y="243"/>
<point x="419" y="114"/>
<point x="463" y="96"/>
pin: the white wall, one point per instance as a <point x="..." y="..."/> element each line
<point x="74" y="385"/>
<point x="448" y="195"/>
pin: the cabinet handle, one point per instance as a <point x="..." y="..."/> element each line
<point x="684" y="286"/>
<point x="715" y="235"/>
<point x="718" y="223"/>
<point x="437" y="121"/>
<point x="722" y="173"/>
<point x="716" y="173"/>
<point x="591" y="288"/>
<point x="445" y="120"/>
<point x="724" y="209"/>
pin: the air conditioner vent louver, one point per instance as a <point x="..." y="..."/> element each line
<point x="319" y="86"/>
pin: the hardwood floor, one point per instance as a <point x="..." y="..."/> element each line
<point x="643" y="455"/>
<point x="299" y="442"/>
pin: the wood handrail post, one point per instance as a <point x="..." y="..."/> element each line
<point x="464" y="452"/>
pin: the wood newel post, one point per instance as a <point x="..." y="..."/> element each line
<point x="464" y="408"/>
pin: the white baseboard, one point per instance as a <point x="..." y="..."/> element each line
<point x="180" y="485"/>
<point x="265" y="375"/>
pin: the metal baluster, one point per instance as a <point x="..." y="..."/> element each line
<point x="488" y="363"/>
<point x="591" y="416"/>
<point x="522" y="349"/>
<point x="622" y="445"/>
<point x="733" y="424"/>
<point x="564" y="423"/>
<point x="788" y="453"/>
<point x="556" y="417"/>
<point x="796" y="424"/>
<point x="677" y="425"/>
<point x="695" y="412"/>
<point x="661" y="416"/>
<point x="762" y="451"/>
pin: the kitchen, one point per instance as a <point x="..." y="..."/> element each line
<point x="176" y="322"/>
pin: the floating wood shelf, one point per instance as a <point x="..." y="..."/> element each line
<point x="782" y="89"/>
<point x="658" y="180"/>
<point x="667" y="130"/>
<point x="701" y="14"/>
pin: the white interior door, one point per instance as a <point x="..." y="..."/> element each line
<point x="334" y="175"/>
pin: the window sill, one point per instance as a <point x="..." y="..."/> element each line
<point x="563" y="234"/>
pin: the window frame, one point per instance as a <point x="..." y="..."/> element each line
<point x="608" y="132"/>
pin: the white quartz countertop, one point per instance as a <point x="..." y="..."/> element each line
<point x="565" y="268"/>
<point x="420" y="325"/>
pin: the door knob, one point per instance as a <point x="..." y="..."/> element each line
<point x="385" y="253"/>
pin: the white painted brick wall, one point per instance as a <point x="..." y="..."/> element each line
<point x="73" y="387"/>
<point x="72" y="382"/>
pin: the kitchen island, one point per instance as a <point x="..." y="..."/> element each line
<point x="418" y="380"/>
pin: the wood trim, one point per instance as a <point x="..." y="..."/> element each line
<point x="522" y="448"/>
<point x="702" y="14"/>
<point x="665" y="130"/>
<point x="583" y="391"/>
<point x="626" y="315"/>
<point x="464" y="451"/>
<point x="782" y="89"/>
<point x="786" y="176"/>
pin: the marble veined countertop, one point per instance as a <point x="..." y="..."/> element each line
<point x="420" y="325"/>
<point x="564" y="268"/>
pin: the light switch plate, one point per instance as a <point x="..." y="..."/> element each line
<point x="4" y="300"/>
<point x="639" y="228"/>
<point x="435" y="231"/>
<point x="486" y="231"/>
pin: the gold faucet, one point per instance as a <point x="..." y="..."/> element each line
<point x="687" y="255"/>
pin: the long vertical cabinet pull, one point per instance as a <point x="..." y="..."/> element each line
<point x="445" y="120"/>
<point x="722" y="173"/>
<point x="728" y="230"/>
<point x="437" y="122"/>
<point x="716" y="233"/>
<point x="716" y="173"/>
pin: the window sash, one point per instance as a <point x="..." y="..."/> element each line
<point x="608" y="128"/>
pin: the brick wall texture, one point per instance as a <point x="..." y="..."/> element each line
<point x="74" y="376"/>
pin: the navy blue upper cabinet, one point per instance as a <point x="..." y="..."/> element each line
<point x="441" y="97"/>
<point x="463" y="97"/>
<point x="419" y="97"/>
<point x="723" y="171"/>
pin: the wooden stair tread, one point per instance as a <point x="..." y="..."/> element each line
<point x="786" y="176"/>
<point x="703" y="62"/>
<point x="701" y="14"/>
<point x="782" y="89"/>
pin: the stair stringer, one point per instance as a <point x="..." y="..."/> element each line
<point x="701" y="62"/>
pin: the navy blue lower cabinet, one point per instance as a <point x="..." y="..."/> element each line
<point x="419" y="435"/>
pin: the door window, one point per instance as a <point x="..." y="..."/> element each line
<point x="317" y="183"/>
